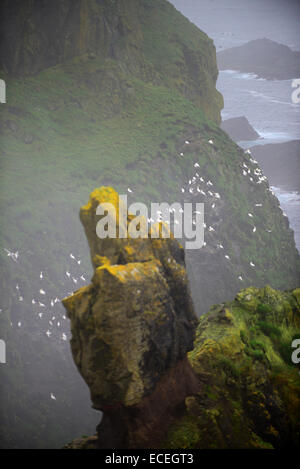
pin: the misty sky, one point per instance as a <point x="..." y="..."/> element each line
<point x="246" y="19"/>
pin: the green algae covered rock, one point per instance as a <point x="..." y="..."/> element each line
<point x="250" y="389"/>
<point x="129" y="327"/>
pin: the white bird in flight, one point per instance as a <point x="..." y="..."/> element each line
<point x="13" y="255"/>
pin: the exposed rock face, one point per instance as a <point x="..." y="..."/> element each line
<point x="281" y="163"/>
<point x="239" y="128"/>
<point x="135" y="322"/>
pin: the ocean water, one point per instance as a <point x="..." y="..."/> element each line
<point x="269" y="108"/>
<point x="290" y="204"/>
<point x="267" y="105"/>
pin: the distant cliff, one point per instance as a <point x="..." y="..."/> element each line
<point x="265" y="58"/>
<point x="239" y="129"/>
<point x="132" y="341"/>
<point x="281" y="162"/>
<point x="38" y="35"/>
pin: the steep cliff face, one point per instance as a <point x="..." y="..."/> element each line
<point x="38" y="35"/>
<point x="237" y="388"/>
<point x="118" y="115"/>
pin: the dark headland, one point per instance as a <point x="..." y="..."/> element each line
<point x="281" y="163"/>
<point x="266" y="58"/>
<point x="239" y="129"/>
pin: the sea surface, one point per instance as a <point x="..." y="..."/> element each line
<point x="269" y="108"/>
<point x="290" y="204"/>
<point x="266" y="104"/>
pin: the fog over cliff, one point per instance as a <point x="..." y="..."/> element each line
<point x="232" y="22"/>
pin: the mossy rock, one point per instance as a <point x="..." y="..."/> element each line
<point x="250" y="389"/>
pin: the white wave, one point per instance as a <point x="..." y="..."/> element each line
<point x="270" y="99"/>
<point x="285" y="197"/>
<point x="241" y="75"/>
<point x="273" y="135"/>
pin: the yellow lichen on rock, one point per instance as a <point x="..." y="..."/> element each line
<point x="128" y="327"/>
